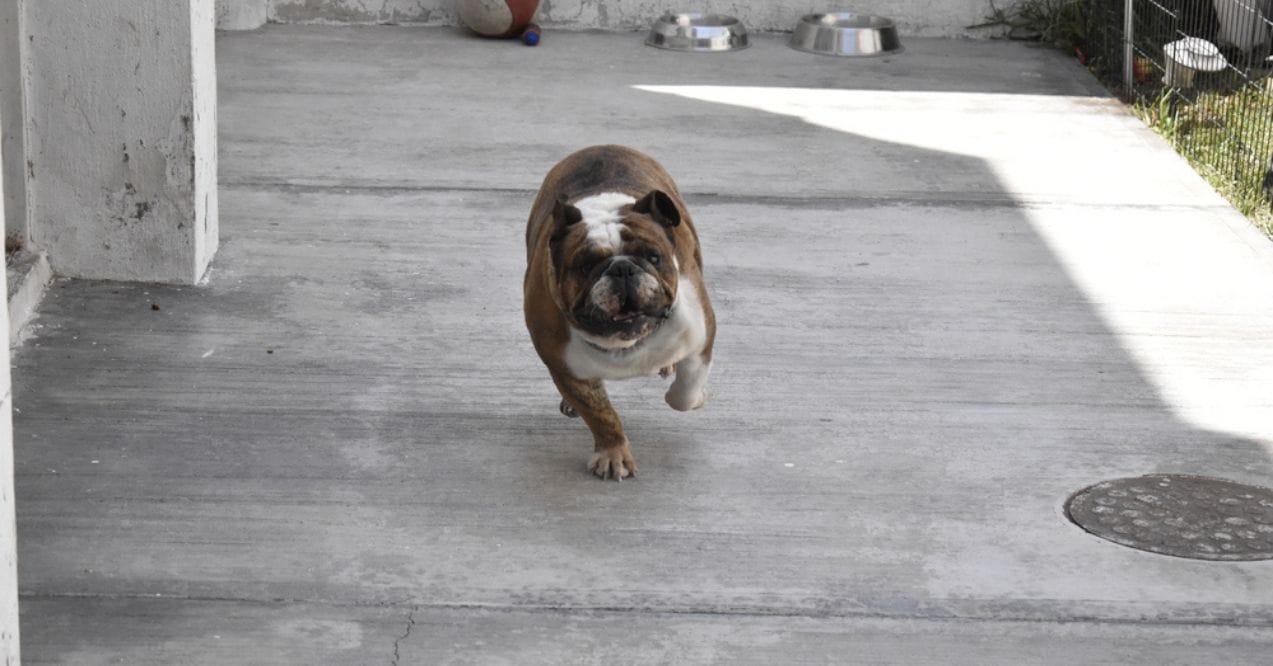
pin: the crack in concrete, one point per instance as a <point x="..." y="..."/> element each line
<point x="398" y="642"/>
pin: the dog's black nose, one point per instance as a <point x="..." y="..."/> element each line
<point x="621" y="268"/>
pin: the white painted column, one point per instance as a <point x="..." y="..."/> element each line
<point x="11" y="113"/>
<point x="121" y="137"/>
<point x="9" y="653"/>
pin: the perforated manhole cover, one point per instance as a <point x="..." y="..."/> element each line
<point x="1185" y="516"/>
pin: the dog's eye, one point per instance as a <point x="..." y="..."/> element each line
<point x="653" y="258"/>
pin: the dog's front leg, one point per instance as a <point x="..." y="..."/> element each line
<point x="612" y="457"/>
<point x="689" y="390"/>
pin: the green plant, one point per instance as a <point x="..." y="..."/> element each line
<point x="1065" y="23"/>
<point x="1160" y="114"/>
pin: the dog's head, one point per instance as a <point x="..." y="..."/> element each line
<point x="616" y="266"/>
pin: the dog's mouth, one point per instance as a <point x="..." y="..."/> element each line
<point x="620" y="309"/>
<point x="628" y="324"/>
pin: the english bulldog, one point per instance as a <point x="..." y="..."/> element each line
<point x="614" y="290"/>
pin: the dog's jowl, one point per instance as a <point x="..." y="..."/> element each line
<point x="614" y="290"/>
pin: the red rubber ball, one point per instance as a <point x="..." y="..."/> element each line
<point x="497" y="18"/>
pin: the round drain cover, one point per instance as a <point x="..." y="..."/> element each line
<point x="1185" y="516"/>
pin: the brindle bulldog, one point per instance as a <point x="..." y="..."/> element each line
<point x="614" y="290"/>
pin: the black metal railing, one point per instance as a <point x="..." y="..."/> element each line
<point x="1200" y="71"/>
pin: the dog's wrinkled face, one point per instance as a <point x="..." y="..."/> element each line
<point x="615" y="265"/>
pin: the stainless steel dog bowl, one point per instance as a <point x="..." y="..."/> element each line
<point x="698" y="33"/>
<point x="846" y="34"/>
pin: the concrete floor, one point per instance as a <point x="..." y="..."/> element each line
<point x="954" y="286"/>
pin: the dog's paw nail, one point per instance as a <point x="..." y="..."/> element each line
<point x="617" y="465"/>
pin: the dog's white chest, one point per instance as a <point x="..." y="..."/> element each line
<point x="683" y="333"/>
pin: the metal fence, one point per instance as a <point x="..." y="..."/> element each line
<point x="1202" y="73"/>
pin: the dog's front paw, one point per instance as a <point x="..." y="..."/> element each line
<point x="614" y="462"/>
<point x="684" y="401"/>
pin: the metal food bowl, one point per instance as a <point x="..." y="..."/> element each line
<point x="846" y="34"/>
<point x="698" y="33"/>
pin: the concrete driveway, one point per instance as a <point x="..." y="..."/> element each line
<point x="954" y="287"/>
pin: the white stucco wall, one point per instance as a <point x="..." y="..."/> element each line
<point x="242" y="14"/>
<point x="121" y="137"/>
<point x="914" y="17"/>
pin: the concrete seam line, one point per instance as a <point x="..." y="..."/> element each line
<point x="1239" y="621"/>
<point x="811" y="201"/>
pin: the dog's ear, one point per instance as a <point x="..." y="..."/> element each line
<point x="564" y="215"/>
<point x="658" y="205"/>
